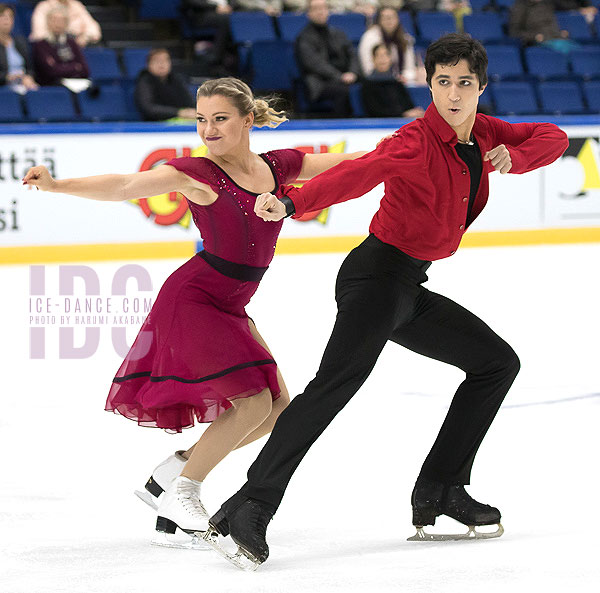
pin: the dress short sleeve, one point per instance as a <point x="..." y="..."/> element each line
<point x="288" y="162"/>
<point x="197" y="168"/>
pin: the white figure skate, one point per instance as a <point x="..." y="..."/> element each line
<point x="161" y="478"/>
<point x="182" y="519"/>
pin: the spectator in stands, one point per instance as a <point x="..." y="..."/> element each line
<point x="58" y="56"/>
<point x="389" y="31"/>
<point x="271" y="7"/>
<point x="383" y="94"/>
<point x="213" y="15"/>
<point x="534" y="22"/>
<point x="327" y="59"/>
<point x="81" y="24"/>
<point x="15" y="65"/>
<point x="160" y="93"/>
<point x="458" y="8"/>
<point x="415" y="6"/>
<point x="584" y="7"/>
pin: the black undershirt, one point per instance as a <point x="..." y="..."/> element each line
<point x="471" y="156"/>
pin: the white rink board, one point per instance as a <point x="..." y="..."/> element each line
<point x="547" y="198"/>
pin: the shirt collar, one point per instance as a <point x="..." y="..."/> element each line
<point x="443" y="129"/>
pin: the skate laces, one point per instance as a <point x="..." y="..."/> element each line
<point x="259" y="517"/>
<point x="189" y="496"/>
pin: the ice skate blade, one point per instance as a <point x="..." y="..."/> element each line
<point x="146" y="497"/>
<point x="241" y="559"/>
<point x="180" y="540"/>
<point x="422" y="536"/>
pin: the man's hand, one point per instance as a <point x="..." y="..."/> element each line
<point x="348" y="78"/>
<point x="269" y="208"/>
<point x="500" y="158"/>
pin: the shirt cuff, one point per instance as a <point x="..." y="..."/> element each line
<point x="290" y="209"/>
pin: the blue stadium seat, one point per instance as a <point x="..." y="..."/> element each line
<point x="545" y="63"/>
<point x="355" y="95"/>
<point x="420" y="95"/>
<point x="575" y="24"/>
<point x="504" y="4"/>
<point x="484" y="26"/>
<point x="103" y="64"/>
<point x="514" y="98"/>
<point x="591" y="91"/>
<point x="269" y="71"/>
<point x="159" y="9"/>
<point x="12" y="108"/>
<point x="479" y="5"/>
<point x="23" y="14"/>
<point x="561" y="97"/>
<point x="432" y="25"/>
<point x="351" y="23"/>
<point x="504" y="62"/>
<point x="50" y="103"/>
<point x="107" y="103"/>
<point x="408" y="23"/>
<point x="134" y="60"/>
<point x="585" y="61"/>
<point x="248" y="27"/>
<point x="290" y="24"/>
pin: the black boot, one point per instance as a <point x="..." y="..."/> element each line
<point x="426" y="502"/>
<point x="466" y="510"/>
<point x="431" y="499"/>
<point x="246" y="520"/>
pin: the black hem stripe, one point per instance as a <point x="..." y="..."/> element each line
<point x="232" y="369"/>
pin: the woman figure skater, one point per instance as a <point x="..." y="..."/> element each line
<point x="198" y="356"/>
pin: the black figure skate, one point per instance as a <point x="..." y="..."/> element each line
<point x="246" y="521"/>
<point x="432" y="499"/>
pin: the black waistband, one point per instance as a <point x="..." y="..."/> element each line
<point x="231" y="269"/>
<point x="373" y="241"/>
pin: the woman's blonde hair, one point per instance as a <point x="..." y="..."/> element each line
<point x="242" y="97"/>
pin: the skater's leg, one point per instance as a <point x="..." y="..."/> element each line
<point x="279" y="404"/>
<point x="445" y="331"/>
<point x="226" y="433"/>
<point x="169" y="469"/>
<point x="373" y="296"/>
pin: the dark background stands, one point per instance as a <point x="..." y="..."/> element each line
<point x="160" y="93"/>
<point x="327" y="60"/>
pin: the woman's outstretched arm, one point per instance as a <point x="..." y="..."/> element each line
<point x="112" y="188"/>
<point x="314" y="164"/>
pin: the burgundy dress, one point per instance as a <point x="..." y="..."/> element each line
<point x="194" y="352"/>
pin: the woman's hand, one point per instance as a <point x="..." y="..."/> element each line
<point x="40" y="178"/>
<point x="269" y="208"/>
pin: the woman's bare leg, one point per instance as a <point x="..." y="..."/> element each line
<point x="226" y="432"/>
<point x="264" y="428"/>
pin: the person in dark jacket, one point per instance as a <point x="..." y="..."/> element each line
<point x="59" y="55"/>
<point x="327" y="59"/>
<point x="383" y="93"/>
<point x="161" y="94"/>
<point x="15" y="64"/>
<point x="534" y="21"/>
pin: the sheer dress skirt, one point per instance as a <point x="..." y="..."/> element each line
<point x="194" y="353"/>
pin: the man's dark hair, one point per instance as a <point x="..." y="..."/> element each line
<point x="452" y="48"/>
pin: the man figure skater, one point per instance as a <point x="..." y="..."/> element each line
<point x="435" y="171"/>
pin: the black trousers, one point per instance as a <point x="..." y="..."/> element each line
<point x="380" y="297"/>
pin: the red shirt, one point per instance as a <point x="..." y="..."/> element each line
<point x="423" y="211"/>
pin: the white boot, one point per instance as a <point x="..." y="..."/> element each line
<point x="181" y="509"/>
<point x="162" y="477"/>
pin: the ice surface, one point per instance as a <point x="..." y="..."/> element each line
<point x="69" y="520"/>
